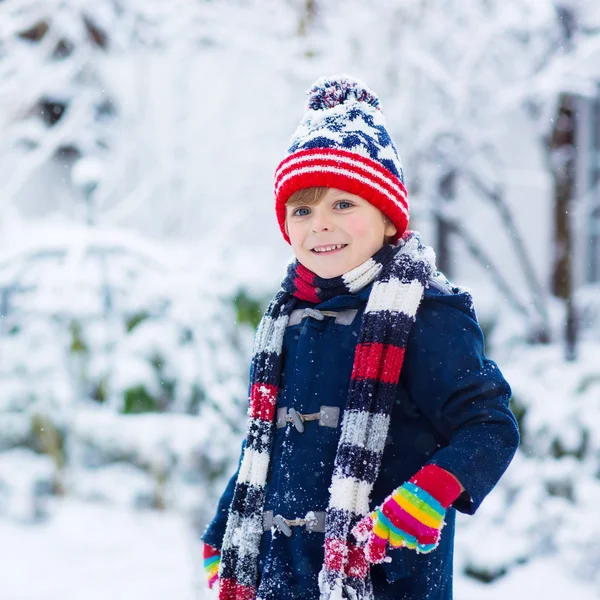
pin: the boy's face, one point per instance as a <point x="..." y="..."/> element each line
<point x="339" y="218"/>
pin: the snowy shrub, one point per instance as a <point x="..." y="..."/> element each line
<point x="546" y="502"/>
<point x="119" y="354"/>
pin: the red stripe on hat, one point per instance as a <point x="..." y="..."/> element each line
<point x="361" y="166"/>
<point x="341" y="181"/>
<point x="342" y="176"/>
<point x="263" y="398"/>
<point x="355" y="174"/>
<point x="298" y="159"/>
<point x="378" y="361"/>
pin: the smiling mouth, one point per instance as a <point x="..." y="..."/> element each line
<point x="327" y="252"/>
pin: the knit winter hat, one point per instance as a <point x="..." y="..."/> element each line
<point x="342" y="142"/>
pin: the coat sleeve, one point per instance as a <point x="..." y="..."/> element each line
<point x="215" y="531"/>
<point x="462" y="393"/>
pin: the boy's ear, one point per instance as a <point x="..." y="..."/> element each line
<point x="390" y="228"/>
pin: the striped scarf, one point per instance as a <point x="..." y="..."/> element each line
<point x="400" y="274"/>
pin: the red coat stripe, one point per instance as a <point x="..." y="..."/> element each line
<point x="382" y="362"/>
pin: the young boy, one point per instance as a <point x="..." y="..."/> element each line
<point x="374" y="414"/>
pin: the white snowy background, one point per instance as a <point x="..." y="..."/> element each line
<point x="138" y="244"/>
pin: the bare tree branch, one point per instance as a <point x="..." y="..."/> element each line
<point x="496" y="197"/>
<point x="483" y="258"/>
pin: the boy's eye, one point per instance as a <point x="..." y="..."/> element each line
<point x="345" y="202"/>
<point x="296" y="213"/>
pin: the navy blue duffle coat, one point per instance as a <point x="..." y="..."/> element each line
<point x="451" y="410"/>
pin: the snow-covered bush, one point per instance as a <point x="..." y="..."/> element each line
<point x="118" y="353"/>
<point x="547" y="502"/>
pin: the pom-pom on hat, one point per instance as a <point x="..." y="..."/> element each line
<point x="342" y="142"/>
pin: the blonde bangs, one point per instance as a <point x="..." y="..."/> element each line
<point x="308" y="196"/>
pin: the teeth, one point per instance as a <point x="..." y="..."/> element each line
<point x="328" y="248"/>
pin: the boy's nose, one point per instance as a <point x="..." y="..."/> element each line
<point x="320" y="222"/>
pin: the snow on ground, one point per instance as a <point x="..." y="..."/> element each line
<point x="544" y="579"/>
<point x="89" y="551"/>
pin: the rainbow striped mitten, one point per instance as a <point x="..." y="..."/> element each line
<point x="212" y="558"/>
<point x="412" y="516"/>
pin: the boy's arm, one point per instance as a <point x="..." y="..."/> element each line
<point x="463" y="394"/>
<point x="213" y="535"/>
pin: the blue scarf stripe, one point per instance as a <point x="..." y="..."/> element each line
<point x="258" y="435"/>
<point x="358" y="462"/>
<point x="377" y="324"/>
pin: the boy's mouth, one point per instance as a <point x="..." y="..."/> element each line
<point x="331" y="249"/>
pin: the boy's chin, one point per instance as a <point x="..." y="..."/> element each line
<point x="319" y="266"/>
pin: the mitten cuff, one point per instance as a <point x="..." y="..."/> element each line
<point x="438" y="483"/>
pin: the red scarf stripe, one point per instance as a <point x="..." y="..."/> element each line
<point x="356" y="563"/>
<point x="382" y="362"/>
<point x="263" y="399"/>
<point x="230" y="589"/>
<point x="305" y="286"/>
